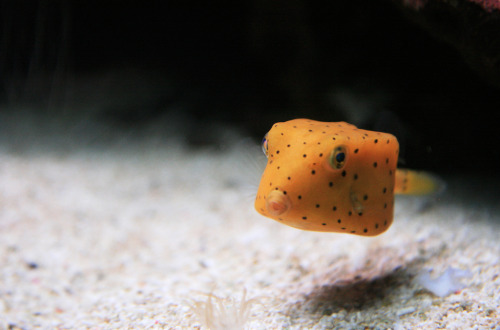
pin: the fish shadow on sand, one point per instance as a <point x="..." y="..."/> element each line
<point x="374" y="298"/>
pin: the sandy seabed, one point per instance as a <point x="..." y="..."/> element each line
<point x="136" y="234"/>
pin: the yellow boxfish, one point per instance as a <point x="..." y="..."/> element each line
<point x="334" y="177"/>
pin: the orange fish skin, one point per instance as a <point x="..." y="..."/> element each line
<point x="329" y="177"/>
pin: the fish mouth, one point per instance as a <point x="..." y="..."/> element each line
<point x="277" y="203"/>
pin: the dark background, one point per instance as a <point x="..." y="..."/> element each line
<point x="252" y="63"/>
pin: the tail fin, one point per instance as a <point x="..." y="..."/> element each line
<point x="409" y="182"/>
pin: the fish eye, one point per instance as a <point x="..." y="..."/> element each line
<point x="264" y="145"/>
<point x="338" y="157"/>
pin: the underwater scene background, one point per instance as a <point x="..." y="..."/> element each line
<point x="130" y="159"/>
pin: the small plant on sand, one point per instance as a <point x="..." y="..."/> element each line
<point x="218" y="313"/>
